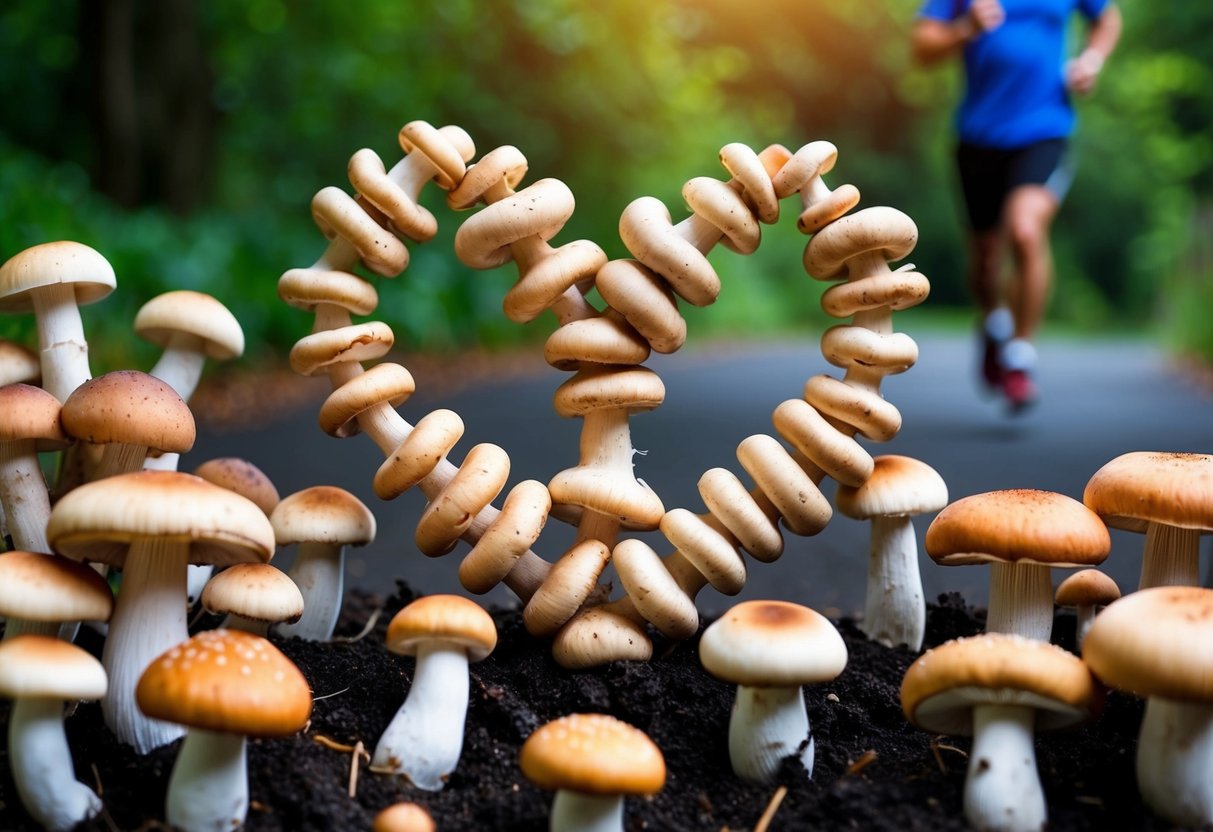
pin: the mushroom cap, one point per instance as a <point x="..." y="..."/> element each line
<point x="880" y="229"/>
<point x="29" y="413"/>
<point x="772" y="644"/>
<point x="404" y="817"/>
<point x="99" y="520"/>
<point x="1156" y="642"/>
<point x="944" y="684"/>
<point x="593" y="754"/>
<point x="131" y="408"/>
<point x="1137" y="488"/>
<point x="608" y="388"/>
<point x="899" y="486"/>
<point x="243" y="477"/>
<point x="1087" y="588"/>
<point x="323" y="514"/>
<point x="451" y="619"/>
<point x="1021" y="525"/>
<point x="257" y="591"/>
<point x="191" y="313"/>
<point x="39" y="587"/>
<point x="44" y="667"/>
<point x="90" y="274"/>
<point x="227" y="681"/>
<point x="18" y="364"/>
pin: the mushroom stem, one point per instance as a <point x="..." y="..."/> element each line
<point x="425" y="738"/>
<point x="64" y="352"/>
<point x="181" y="364"/>
<point x="149" y="618"/>
<point x="1175" y="760"/>
<point x="319" y="572"/>
<point x="1021" y="600"/>
<point x="768" y="724"/>
<point x="14" y="627"/>
<point x="42" y="766"/>
<point x="196" y="578"/>
<point x="1171" y="557"/>
<point x="231" y="621"/>
<point x="894" y="612"/>
<point x="208" y="790"/>
<point x="1002" y="787"/>
<point x="1084" y="617"/>
<point x="24" y="496"/>
<point x="576" y="812"/>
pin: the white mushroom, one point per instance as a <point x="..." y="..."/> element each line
<point x="253" y="596"/>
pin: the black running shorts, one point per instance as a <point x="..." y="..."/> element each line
<point x="988" y="175"/>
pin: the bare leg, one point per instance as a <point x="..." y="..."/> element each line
<point x="1027" y="217"/>
<point x="985" y="269"/>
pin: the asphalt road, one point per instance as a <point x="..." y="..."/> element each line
<point x="1100" y="399"/>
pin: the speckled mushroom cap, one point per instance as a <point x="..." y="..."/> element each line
<point x="131" y="408"/>
<point x="90" y="274"/>
<point x="1087" y="588"/>
<point x="227" y="681"/>
<point x="899" y="486"/>
<point x="323" y="514"/>
<point x="941" y="688"/>
<point x="1175" y="489"/>
<point x="29" y="413"/>
<point x="41" y="587"/>
<point x="243" y="477"/>
<point x="44" y="667"/>
<point x="450" y="619"/>
<point x="99" y="520"/>
<point x="1020" y="525"/>
<point x="257" y="591"/>
<point x="404" y="817"/>
<point x="191" y="313"/>
<point x="1156" y="642"/>
<point x="593" y="754"/>
<point x="772" y="644"/>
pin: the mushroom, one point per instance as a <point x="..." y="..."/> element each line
<point x="151" y="524"/>
<point x="1157" y="643"/>
<point x="1000" y="688"/>
<point x="253" y="596"/>
<point x="1022" y="533"/>
<point x="899" y="488"/>
<point x="1089" y="591"/>
<point x="40" y="673"/>
<point x="592" y="761"/>
<point x="425" y="738"/>
<point x="323" y="520"/>
<point x="1169" y="496"/>
<point x="29" y="423"/>
<point x="225" y="686"/>
<point x="18" y="364"/>
<point x="53" y="280"/>
<point x="404" y="817"/>
<point x="39" y="592"/>
<point x="770" y="649"/>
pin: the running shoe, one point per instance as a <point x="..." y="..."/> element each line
<point x="1019" y="390"/>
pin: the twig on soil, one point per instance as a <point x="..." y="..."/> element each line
<point x="330" y="695"/>
<point x="356" y="751"/>
<point x="772" y="808"/>
<point x="937" y="744"/>
<point x="99" y="789"/>
<point x="370" y="625"/>
<point x="865" y="759"/>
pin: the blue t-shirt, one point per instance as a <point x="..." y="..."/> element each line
<point x="1015" y="83"/>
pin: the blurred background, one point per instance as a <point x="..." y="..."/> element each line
<point x="184" y="140"/>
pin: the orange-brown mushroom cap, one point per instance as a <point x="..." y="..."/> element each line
<point x="451" y="619"/>
<point x="1175" y="489"/>
<point x="593" y="754"/>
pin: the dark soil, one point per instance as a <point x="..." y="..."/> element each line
<point x="873" y="771"/>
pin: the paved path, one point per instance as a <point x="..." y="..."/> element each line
<point x="1101" y="398"/>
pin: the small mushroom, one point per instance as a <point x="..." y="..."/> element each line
<point x="191" y="327"/>
<point x="1000" y="688"/>
<point x="1022" y="533"/>
<point x="40" y="592"/>
<point x="425" y="738"/>
<point x="29" y="423"/>
<point x="1169" y="496"/>
<point x="404" y="817"/>
<point x="1157" y="643"/>
<point x="18" y="364"/>
<point x="40" y="673"/>
<point x="770" y="650"/>
<point x="253" y="596"/>
<point x="898" y="489"/>
<point x="592" y="761"/>
<point x="1088" y="591"/>
<point x="224" y="686"/>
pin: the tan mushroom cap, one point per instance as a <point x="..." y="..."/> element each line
<point x="90" y="274"/>
<point x="593" y="754"/>
<point x="607" y="388"/>
<point x="40" y="587"/>
<point x="387" y="383"/>
<point x="943" y="685"/>
<point x="99" y="520"/>
<point x="450" y="619"/>
<point x="1087" y="588"/>
<point x="131" y="408"/>
<point x="1018" y="526"/>
<point x="599" y="635"/>
<point x="243" y="477"/>
<point x="899" y="486"/>
<point x="18" y="364"/>
<point x="323" y="514"/>
<point x="523" y="516"/>
<point x="1175" y="489"/>
<point x="29" y="413"/>
<point x="44" y="667"/>
<point x="404" y="817"/>
<point x="1156" y="642"/>
<point x="772" y="644"/>
<point x="608" y="339"/>
<point x="881" y="229"/>
<point x="227" y="681"/>
<point x="191" y="313"/>
<point x="257" y="591"/>
<point x="308" y="288"/>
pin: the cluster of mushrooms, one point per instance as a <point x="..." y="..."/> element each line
<point x="115" y="511"/>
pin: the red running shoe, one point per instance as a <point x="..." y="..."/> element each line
<point x="1019" y="390"/>
<point x="991" y="363"/>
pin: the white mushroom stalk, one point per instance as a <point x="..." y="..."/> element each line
<point x="1021" y="600"/>
<point x="1002" y="787"/>
<point x="766" y="725"/>
<point x="576" y="812"/>
<point x="208" y="790"/>
<point x="1175" y="760"/>
<point x="181" y="364"/>
<point x="42" y="766"/>
<point x="894" y="610"/>
<point x="1171" y="557"/>
<point x="24" y="496"/>
<point x="319" y="572"/>
<point x="425" y="738"/>
<point x="64" y="349"/>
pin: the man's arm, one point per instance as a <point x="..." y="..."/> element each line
<point x="933" y="40"/>
<point x="1082" y="72"/>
